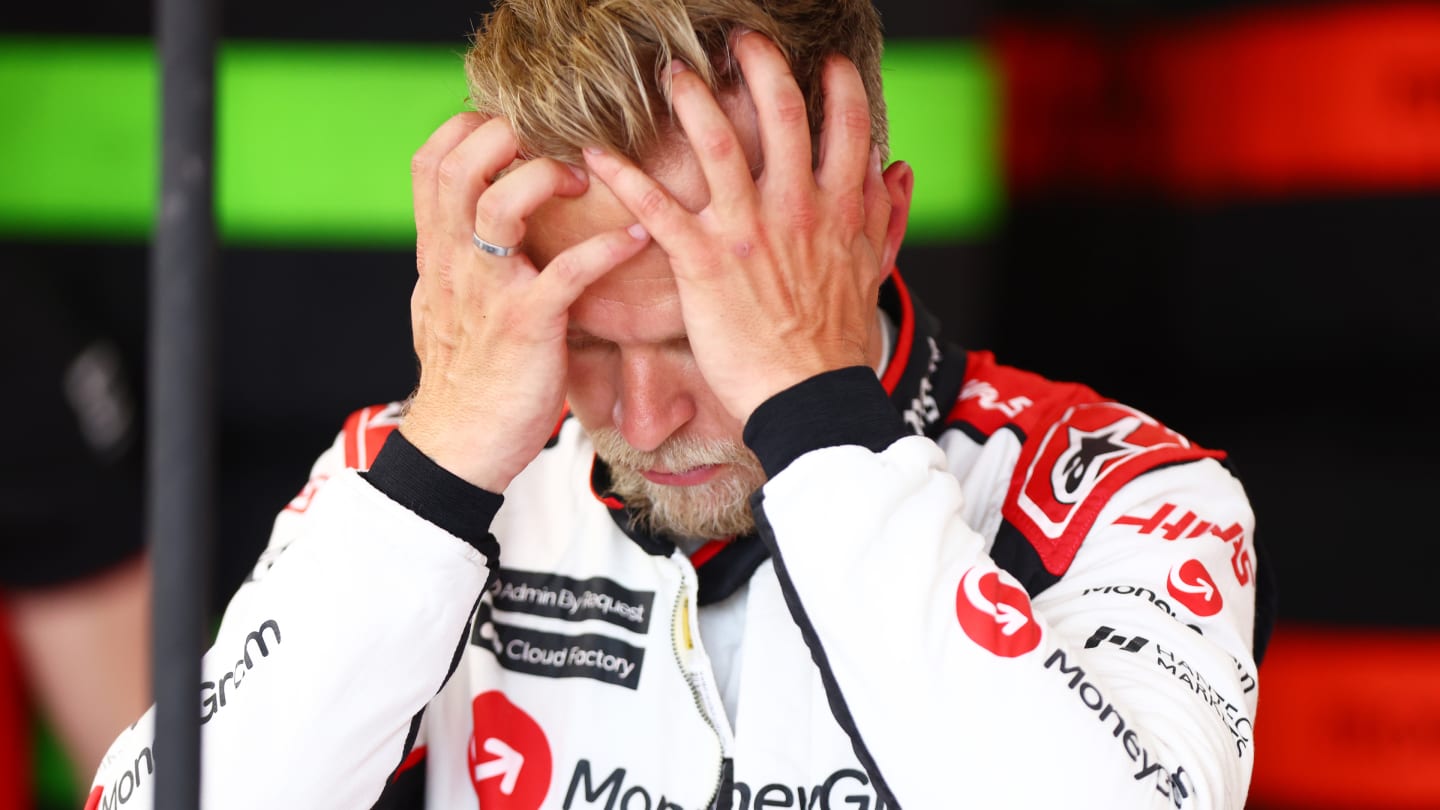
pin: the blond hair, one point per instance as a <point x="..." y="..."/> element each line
<point x="572" y="73"/>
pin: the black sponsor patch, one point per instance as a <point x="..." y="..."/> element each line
<point x="560" y="597"/>
<point x="554" y="655"/>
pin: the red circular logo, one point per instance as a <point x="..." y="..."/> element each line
<point x="994" y="611"/>
<point x="1193" y="587"/>
<point x="509" y="755"/>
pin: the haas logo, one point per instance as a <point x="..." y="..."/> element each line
<point x="509" y="756"/>
<point x="1193" y="587"/>
<point x="994" y="611"/>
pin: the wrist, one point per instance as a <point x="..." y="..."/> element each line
<point x="462" y="454"/>
<point x="410" y="478"/>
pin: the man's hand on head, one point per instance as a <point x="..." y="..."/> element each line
<point x="490" y="330"/>
<point x="778" y="274"/>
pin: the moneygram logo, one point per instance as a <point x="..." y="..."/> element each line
<point x="1193" y="587"/>
<point x="509" y="756"/>
<point x="994" y="611"/>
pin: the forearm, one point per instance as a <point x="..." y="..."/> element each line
<point x="945" y="673"/>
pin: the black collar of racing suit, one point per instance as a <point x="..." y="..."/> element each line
<point x="923" y="377"/>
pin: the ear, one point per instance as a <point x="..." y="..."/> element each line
<point x="899" y="181"/>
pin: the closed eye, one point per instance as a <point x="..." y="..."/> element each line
<point x="581" y="341"/>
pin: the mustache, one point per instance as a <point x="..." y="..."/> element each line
<point x="676" y="454"/>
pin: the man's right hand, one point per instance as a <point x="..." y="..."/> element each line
<point x="490" y="331"/>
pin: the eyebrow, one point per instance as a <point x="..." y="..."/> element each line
<point x="573" y="331"/>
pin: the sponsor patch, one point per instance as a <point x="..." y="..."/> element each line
<point x="1189" y="526"/>
<point x="560" y="597"/>
<point x="994" y="611"/>
<point x="133" y="783"/>
<point x="1105" y="634"/>
<point x="1175" y="786"/>
<point x="1192" y="586"/>
<point x="555" y="655"/>
<point x="1140" y="592"/>
<point x="256" y="647"/>
<point x="1068" y="474"/>
<point x="1227" y="711"/>
<point x="844" y="788"/>
<point x="509" y="757"/>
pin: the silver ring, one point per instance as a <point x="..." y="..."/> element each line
<point x="492" y="248"/>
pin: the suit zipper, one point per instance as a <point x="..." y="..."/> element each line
<point x="680" y="624"/>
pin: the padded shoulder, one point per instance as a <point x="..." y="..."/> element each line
<point x="365" y="432"/>
<point x="1077" y="450"/>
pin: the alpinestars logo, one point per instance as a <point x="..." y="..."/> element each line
<point x="1077" y="468"/>
<point x="994" y="611"/>
<point x="1082" y="459"/>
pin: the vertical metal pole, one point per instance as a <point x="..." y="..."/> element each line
<point x="181" y="452"/>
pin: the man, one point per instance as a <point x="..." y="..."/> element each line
<point x="783" y="550"/>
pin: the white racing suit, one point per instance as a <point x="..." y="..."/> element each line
<point x="969" y="587"/>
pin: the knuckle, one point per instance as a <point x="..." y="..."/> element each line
<point x="803" y="218"/>
<point x="798" y="206"/>
<point x="854" y="121"/>
<point x="790" y="108"/>
<point x="445" y="277"/>
<point x="451" y="171"/>
<point x="490" y="209"/>
<point x="719" y="145"/>
<point x="563" y="269"/>
<point x="653" y="203"/>
<point x="852" y="218"/>
<point x="422" y="163"/>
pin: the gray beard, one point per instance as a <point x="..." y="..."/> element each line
<point x="719" y="508"/>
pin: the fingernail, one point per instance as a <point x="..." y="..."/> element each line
<point x="678" y="66"/>
<point x="638" y="231"/>
<point x="594" y="151"/>
<point x="875" y="157"/>
<point x="580" y="174"/>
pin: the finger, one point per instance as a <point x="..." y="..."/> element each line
<point x="502" y="209"/>
<point x="877" y="201"/>
<point x="579" y="266"/>
<point x="675" y="229"/>
<point x="714" y="141"/>
<point x="417" y="320"/>
<point x="466" y="171"/>
<point x="845" y="133"/>
<point x="425" y="168"/>
<point x="780" y="110"/>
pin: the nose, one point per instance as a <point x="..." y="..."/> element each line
<point x="653" y="401"/>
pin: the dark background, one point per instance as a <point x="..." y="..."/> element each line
<point x="1293" y="326"/>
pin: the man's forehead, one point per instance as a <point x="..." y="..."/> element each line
<point x="636" y="302"/>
